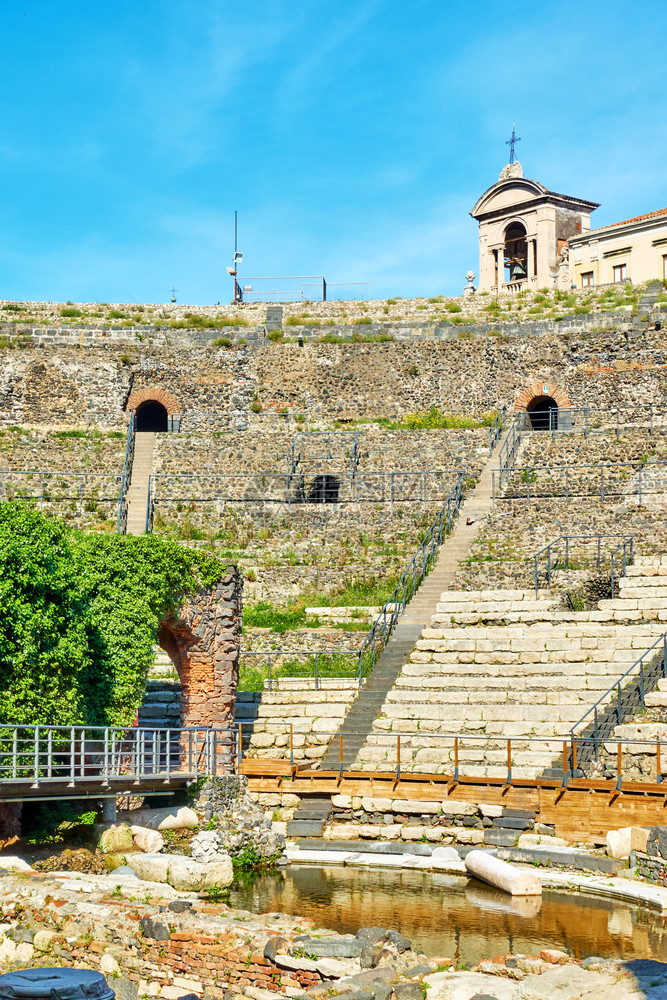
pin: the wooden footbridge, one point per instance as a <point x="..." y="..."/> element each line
<point x="76" y="762"/>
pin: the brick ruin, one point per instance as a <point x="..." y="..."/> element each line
<point x="202" y="639"/>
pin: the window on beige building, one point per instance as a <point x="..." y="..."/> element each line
<point x="620" y="272"/>
<point x="587" y="279"/>
<point x="664" y="265"/>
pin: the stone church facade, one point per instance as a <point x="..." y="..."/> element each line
<point x="532" y="238"/>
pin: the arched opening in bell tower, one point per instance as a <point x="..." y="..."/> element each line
<point x="516" y="253"/>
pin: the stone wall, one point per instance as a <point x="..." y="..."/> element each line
<point x="314" y="714"/>
<point x="89" y="386"/>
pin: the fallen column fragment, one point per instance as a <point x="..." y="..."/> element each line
<point x="502" y="875"/>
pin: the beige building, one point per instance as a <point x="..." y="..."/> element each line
<point x="633" y="250"/>
<point x="523" y="228"/>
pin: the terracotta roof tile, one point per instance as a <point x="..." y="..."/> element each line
<point x="625" y="222"/>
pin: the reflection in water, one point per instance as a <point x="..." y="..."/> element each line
<point x="452" y="917"/>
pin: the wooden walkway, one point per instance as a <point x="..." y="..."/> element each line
<point x="580" y="809"/>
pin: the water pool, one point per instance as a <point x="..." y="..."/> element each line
<point x="455" y="917"/>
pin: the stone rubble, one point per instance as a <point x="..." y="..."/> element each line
<point x="154" y="941"/>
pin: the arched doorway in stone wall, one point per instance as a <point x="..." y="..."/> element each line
<point x="546" y="405"/>
<point x="156" y="409"/>
<point x="543" y="413"/>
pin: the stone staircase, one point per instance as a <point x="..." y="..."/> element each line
<point x="161" y="707"/>
<point x="358" y="723"/>
<point x="368" y="704"/>
<point x="313" y="713"/>
<point x="648" y="301"/>
<point x="503" y="665"/>
<point x="137" y="491"/>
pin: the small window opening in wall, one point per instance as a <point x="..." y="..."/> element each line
<point x="620" y="272"/>
<point x="543" y="413"/>
<point x="664" y="266"/>
<point x="587" y="279"/>
<point x="324" y="489"/>
<point x="151" y="416"/>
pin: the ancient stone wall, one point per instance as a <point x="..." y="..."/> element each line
<point x="89" y="386"/>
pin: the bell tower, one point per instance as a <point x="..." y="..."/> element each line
<point x="523" y="232"/>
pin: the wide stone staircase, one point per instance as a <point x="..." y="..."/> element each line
<point x="501" y="665"/>
<point x="358" y="723"/>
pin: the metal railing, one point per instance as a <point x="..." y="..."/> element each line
<point x="588" y="420"/>
<point x="417" y="569"/>
<point x="608" y="479"/>
<point x="60" y="487"/>
<point x="497" y="427"/>
<point x="121" y="527"/>
<point x="623" y="698"/>
<point x="80" y="761"/>
<point x="300" y="452"/>
<point x="461" y="758"/>
<point x="328" y="490"/>
<point x="508" y="454"/>
<point x="68" y="757"/>
<point x="562" y="548"/>
<point x="323" y="663"/>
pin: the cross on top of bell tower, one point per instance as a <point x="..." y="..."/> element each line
<point x="512" y="141"/>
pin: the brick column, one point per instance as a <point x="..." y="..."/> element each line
<point x="203" y="639"/>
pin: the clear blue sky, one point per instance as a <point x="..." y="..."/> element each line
<point x="353" y="138"/>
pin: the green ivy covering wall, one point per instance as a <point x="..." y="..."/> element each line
<point x="79" y="615"/>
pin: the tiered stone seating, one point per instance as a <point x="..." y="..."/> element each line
<point x="314" y="713"/>
<point x="502" y="665"/>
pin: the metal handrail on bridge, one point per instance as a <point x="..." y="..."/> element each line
<point x="620" y="557"/>
<point x="41" y="757"/>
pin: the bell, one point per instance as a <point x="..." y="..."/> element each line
<point x="518" y="270"/>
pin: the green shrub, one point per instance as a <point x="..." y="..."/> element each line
<point x="222" y="342"/>
<point x="453" y="307"/>
<point x="70" y="311"/>
<point x="275" y="335"/>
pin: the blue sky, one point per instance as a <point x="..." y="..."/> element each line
<point x="353" y="138"/>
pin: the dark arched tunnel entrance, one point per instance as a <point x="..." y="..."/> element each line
<point x="543" y="413"/>
<point x="151" y="416"/>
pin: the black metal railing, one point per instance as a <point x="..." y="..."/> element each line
<point x="624" y="698"/>
<point x="565" y="550"/>
<point x="121" y="527"/>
